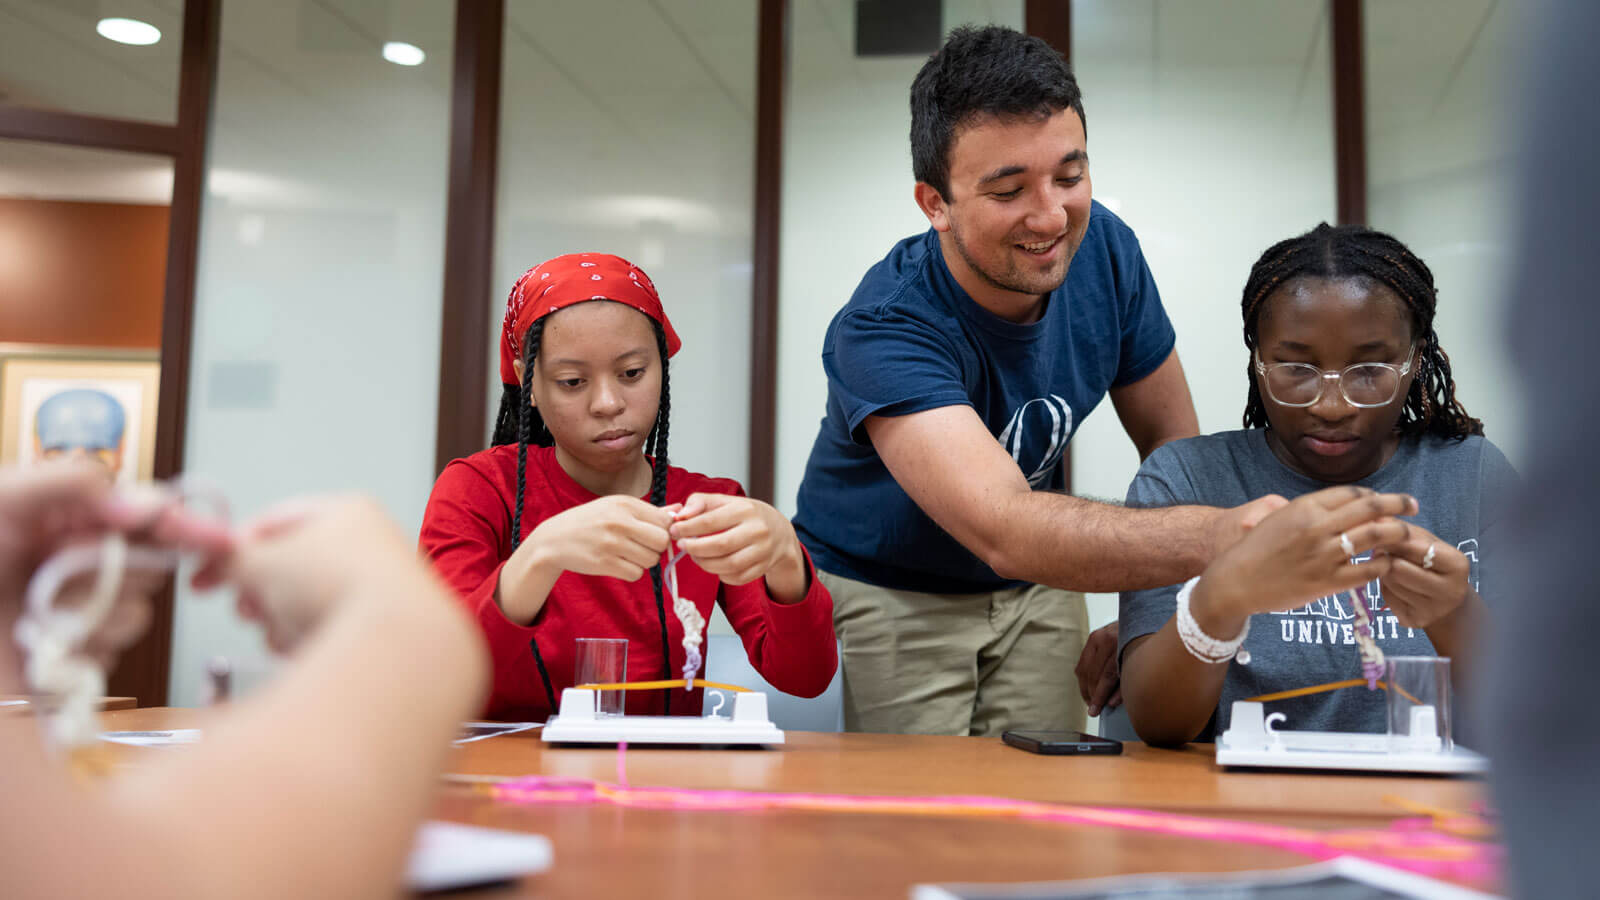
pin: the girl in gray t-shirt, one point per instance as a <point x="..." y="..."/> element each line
<point x="1348" y="387"/>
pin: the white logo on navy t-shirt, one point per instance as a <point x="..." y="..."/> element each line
<point x="1042" y="423"/>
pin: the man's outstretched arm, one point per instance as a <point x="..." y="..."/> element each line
<point x="956" y="471"/>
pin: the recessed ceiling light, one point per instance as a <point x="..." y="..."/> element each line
<point x="404" y="54"/>
<point x="128" y="31"/>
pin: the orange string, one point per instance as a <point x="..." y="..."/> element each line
<point x="1324" y="688"/>
<point x="658" y="685"/>
<point x="1450" y="821"/>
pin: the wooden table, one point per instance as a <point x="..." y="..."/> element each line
<point x="8" y="702"/>
<point x="607" y="852"/>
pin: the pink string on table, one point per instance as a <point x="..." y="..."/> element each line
<point x="1412" y="844"/>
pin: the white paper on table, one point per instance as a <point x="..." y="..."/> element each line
<point x="477" y="731"/>
<point x="153" y="738"/>
<point x="448" y="855"/>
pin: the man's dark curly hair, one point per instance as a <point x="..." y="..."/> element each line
<point x="988" y="71"/>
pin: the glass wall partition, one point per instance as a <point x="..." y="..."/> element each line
<point x="316" y="331"/>
<point x="629" y="128"/>
<point x="1440" y="174"/>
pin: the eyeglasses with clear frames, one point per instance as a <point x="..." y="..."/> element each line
<point x="1364" y="385"/>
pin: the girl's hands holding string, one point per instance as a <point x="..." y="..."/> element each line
<point x="1301" y="552"/>
<point x="739" y="539"/>
<point x="616" y="536"/>
<point x="1427" y="580"/>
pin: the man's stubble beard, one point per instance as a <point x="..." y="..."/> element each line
<point x="1014" y="281"/>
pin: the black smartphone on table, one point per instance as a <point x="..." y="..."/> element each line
<point x="1061" y="743"/>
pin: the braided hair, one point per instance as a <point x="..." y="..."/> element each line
<point x="655" y="447"/>
<point x="519" y="420"/>
<point x="1355" y="251"/>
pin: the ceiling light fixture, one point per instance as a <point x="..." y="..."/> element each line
<point x="128" y="31"/>
<point x="403" y="54"/>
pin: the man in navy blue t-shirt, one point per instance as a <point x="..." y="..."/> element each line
<point x="957" y="375"/>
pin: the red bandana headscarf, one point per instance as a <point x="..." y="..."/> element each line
<point x="575" y="278"/>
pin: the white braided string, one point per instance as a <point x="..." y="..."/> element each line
<point x="53" y="639"/>
<point x="689" y="616"/>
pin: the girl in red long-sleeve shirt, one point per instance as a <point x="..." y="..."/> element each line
<point x="549" y="535"/>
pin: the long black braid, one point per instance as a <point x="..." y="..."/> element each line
<point x="505" y="421"/>
<point x="519" y="420"/>
<point x="525" y="423"/>
<point x="656" y="448"/>
<point x="514" y="398"/>
<point x="1355" y="251"/>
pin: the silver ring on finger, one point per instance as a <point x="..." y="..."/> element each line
<point x="1427" y="558"/>
<point x="1345" y="545"/>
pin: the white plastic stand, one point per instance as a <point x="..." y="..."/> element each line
<point x="1251" y="740"/>
<point x="577" y="723"/>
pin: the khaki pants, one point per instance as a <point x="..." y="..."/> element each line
<point x="974" y="664"/>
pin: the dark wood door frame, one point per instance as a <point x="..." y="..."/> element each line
<point x="1052" y="21"/>
<point x="144" y="670"/>
<point x="465" y="323"/>
<point x="98" y="132"/>
<point x="772" y="46"/>
<point x="1349" y="113"/>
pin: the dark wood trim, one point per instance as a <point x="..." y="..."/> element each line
<point x="1051" y="20"/>
<point x="1349" y="113"/>
<point x="143" y="672"/>
<point x="464" y="327"/>
<point x="129" y="135"/>
<point x="202" y="21"/>
<point x="772" y="47"/>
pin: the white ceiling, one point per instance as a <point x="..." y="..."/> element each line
<point x="662" y="106"/>
<point x="623" y="92"/>
<point x="1428" y="59"/>
<point x="50" y="56"/>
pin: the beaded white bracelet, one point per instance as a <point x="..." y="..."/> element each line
<point x="1203" y="646"/>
